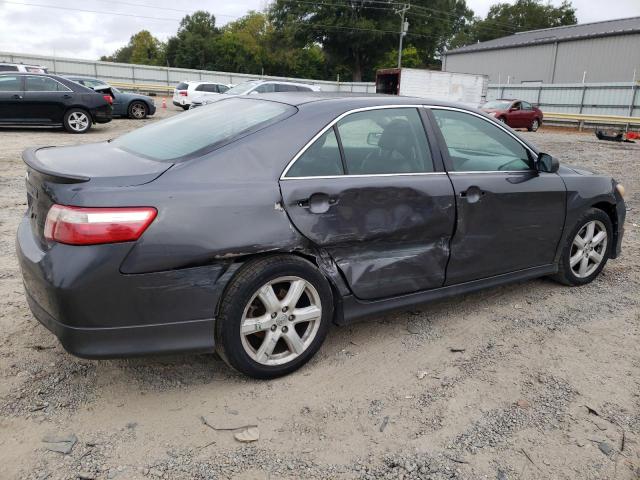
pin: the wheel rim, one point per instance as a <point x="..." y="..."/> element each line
<point x="588" y="249"/>
<point x="281" y="320"/>
<point x="78" y="121"/>
<point x="534" y="125"/>
<point x="138" y="110"/>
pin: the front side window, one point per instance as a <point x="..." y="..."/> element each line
<point x="203" y="129"/>
<point x="477" y="145"/>
<point x="384" y="141"/>
<point x="44" y="84"/>
<point x="8" y="68"/>
<point x="321" y="159"/>
<point x="222" y="88"/>
<point x="9" y="83"/>
<point x="526" y="106"/>
<point x="286" y="87"/>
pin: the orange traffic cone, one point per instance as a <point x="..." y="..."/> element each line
<point x="164" y="102"/>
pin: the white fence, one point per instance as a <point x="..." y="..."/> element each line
<point x="143" y="74"/>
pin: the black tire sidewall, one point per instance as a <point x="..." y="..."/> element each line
<point x="592" y="214"/>
<point x="66" y="120"/>
<point x="228" y="341"/>
<point x="130" y="109"/>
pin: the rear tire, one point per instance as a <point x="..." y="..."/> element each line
<point x="185" y="107"/>
<point x="586" y="250"/>
<point x="138" y="110"/>
<point x="77" y="120"/>
<point x="274" y="316"/>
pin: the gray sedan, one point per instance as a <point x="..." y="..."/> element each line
<point x="132" y="105"/>
<point x="250" y="226"/>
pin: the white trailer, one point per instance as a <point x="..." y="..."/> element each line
<point x="466" y="88"/>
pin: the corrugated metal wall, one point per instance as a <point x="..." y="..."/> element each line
<point x="590" y="98"/>
<point x="127" y="73"/>
<point x="605" y="59"/>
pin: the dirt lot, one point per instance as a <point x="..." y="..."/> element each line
<point x="547" y="385"/>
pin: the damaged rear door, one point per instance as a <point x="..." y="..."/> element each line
<point x="371" y="192"/>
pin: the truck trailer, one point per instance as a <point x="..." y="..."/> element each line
<point x="467" y="88"/>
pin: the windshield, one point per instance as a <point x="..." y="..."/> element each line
<point x="497" y="105"/>
<point x="241" y="88"/>
<point x="201" y="130"/>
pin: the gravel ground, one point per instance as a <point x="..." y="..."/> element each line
<point x="547" y="385"/>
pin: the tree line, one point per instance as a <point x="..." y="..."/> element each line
<point x="324" y="38"/>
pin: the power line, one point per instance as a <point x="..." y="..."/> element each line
<point x="142" y="5"/>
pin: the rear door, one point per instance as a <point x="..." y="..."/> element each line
<point x="372" y="192"/>
<point x="11" y="99"/>
<point x="45" y="99"/>
<point x="510" y="216"/>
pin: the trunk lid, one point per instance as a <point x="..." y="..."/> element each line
<point x="54" y="175"/>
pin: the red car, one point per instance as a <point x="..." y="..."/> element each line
<point x="515" y="113"/>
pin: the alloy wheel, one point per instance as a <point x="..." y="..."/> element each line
<point x="588" y="249"/>
<point x="535" y="125"/>
<point x="138" y="111"/>
<point x="78" y="121"/>
<point x="281" y="320"/>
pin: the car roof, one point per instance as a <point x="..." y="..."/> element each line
<point x="348" y="100"/>
<point x="198" y="82"/>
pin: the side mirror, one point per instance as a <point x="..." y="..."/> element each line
<point x="253" y="92"/>
<point x="547" y="163"/>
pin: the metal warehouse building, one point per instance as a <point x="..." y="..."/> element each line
<point x="607" y="51"/>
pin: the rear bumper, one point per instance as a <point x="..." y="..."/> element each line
<point x="102" y="114"/>
<point x="193" y="336"/>
<point x="79" y="294"/>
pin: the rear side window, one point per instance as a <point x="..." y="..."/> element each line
<point x="383" y="141"/>
<point x="8" y="68"/>
<point x="182" y="86"/>
<point x="204" y="129"/>
<point x="304" y="89"/>
<point x="285" y="87"/>
<point x="266" y="88"/>
<point x="222" y="88"/>
<point x="44" y="84"/>
<point x="9" y="83"/>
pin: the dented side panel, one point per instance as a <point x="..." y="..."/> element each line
<point x="389" y="235"/>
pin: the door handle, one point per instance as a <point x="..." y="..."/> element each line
<point x="17" y="97"/>
<point x="473" y="194"/>
<point x="318" y="203"/>
<point x="66" y="95"/>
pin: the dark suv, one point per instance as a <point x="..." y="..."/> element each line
<point x="50" y="100"/>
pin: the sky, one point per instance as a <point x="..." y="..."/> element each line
<point x="47" y="27"/>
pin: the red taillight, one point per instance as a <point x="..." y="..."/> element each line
<point x="90" y="226"/>
<point x="183" y="93"/>
<point x="108" y="99"/>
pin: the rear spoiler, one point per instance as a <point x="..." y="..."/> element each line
<point x="31" y="159"/>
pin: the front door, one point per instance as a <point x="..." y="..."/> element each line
<point x="11" y="99"/>
<point x="45" y="99"/>
<point x="510" y="217"/>
<point x="372" y="193"/>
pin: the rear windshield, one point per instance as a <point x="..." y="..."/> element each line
<point x="182" y="86"/>
<point x="201" y="130"/>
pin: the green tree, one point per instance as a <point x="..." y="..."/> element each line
<point x="356" y="35"/>
<point x="143" y="48"/>
<point x="192" y="47"/>
<point x="505" y="19"/>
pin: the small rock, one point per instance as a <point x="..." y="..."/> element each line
<point x="522" y="403"/>
<point x="605" y="448"/>
<point x="502" y="475"/>
<point x="60" y="444"/>
<point x="249" y="434"/>
<point x="86" y="476"/>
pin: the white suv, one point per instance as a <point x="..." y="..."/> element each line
<point x="186" y="91"/>
<point x="21" y="67"/>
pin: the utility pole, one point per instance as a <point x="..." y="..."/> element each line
<point x="404" y="26"/>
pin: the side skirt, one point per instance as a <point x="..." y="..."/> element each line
<point x="354" y="309"/>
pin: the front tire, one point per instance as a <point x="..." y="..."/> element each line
<point x="534" y="125"/>
<point x="274" y="316"/>
<point x="77" y="120"/>
<point x="138" y="110"/>
<point x="586" y="250"/>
